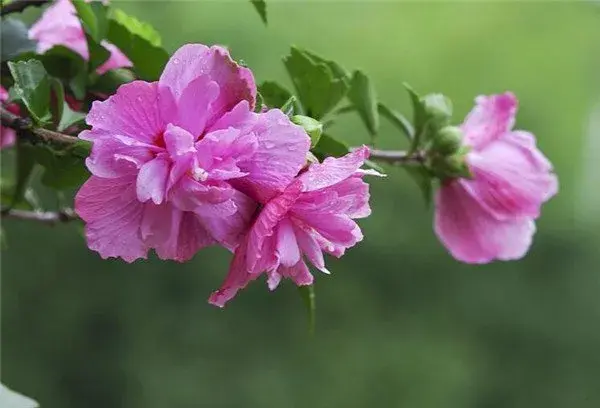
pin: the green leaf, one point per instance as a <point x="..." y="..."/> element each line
<point x="57" y="101"/>
<point x="307" y="293"/>
<point x="93" y="18"/>
<point x="274" y="95"/>
<point x="61" y="62"/>
<point x="419" y="119"/>
<point x="98" y="54"/>
<point x="312" y="127"/>
<point x="397" y="120"/>
<point x="3" y="240"/>
<point x="363" y="97"/>
<point x="63" y="169"/>
<point x="320" y="84"/>
<point x="290" y="106"/>
<point x="424" y="180"/>
<point x="330" y="146"/>
<point x="140" y="42"/>
<point x="70" y="118"/>
<point x="261" y="8"/>
<point x="111" y="80"/>
<point x="32" y="84"/>
<point x="15" y="39"/>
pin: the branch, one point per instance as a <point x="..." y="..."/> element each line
<point x="398" y="157"/>
<point x="45" y="217"/>
<point x="17" y="6"/>
<point x="24" y="126"/>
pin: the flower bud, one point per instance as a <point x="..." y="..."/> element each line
<point x="438" y="108"/>
<point x="456" y="166"/>
<point x="447" y="140"/>
<point x="313" y="127"/>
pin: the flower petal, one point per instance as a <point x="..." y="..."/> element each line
<point x="492" y="117"/>
<point x="195" y="105"/>
<point x="116" y="59"/>
<point x="288" y="251"/>
<point x="298" y="273"/>
<point x="334" y="170"/>
<point x="133" y="111"/>
<point x="472" y="235"/>
<point x="114" y="157"/>
<point x="113" y="216"/>
<point x="152" y="180"/>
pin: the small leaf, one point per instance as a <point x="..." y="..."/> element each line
<point x="419" y="120"/>
<point x="424" y="181"/>
<point x="140" y="42"/>
<point x="70" y="118"/>
<point x="320" y="84"/>
<point x="307" y="293"/>
<point x="363" y="97"/>
<point x="312" y="127"/>
<point x="274" y="95"/>
<point x="398" y="120"/>
<point x="63" y="169"/>
<point x="330" y="146"/>
<point x="32" y="84"/>
<point x="14" y="39"/>
<point x="289" y="107"/>
<point x="57" y="101"/>
<point x="261" y="8"/>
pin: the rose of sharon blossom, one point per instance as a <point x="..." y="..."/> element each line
<point x="59" y="25"/>
<point x="166" y="155"/>
<point x="315" y="214"/>
<point x="7" y="135"/>
<point x="492" y="215"/>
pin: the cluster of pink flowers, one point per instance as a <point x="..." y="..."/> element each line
<point x="185" y="162"/>
<point x="59" y="25"/>
<point x="491" y="216"/>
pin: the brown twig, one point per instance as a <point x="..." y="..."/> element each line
<point x="45" y="217"/>
<point x="24" y="126"/>
<point x="16" y="6"/>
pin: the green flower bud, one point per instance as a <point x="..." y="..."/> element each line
<point x="456" y="166"/>
<point x="313" y="127"/>
<point x="438" y="108"/>
<point x="447" y="141"/>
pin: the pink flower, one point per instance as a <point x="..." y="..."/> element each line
<point x="178" y="164"/>
<point x="7" y="135"/>
<point x="492" y="216"/>
<point x="314" y="214"/>
<point x="59" y="25"/>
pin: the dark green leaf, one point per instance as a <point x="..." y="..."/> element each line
<point x="363" y="97"/>
<point x="57" y="101"/>
<point x="93" y="18"/>
<point x="261" y="8"/>
<point x="15" y="39"/>
<point x="307" y="293"/>
<point x="32" y="84"/>
<point x="424" y="180"/>
<point x="398" y="120"/>
<point x="273" y="94"/>
<point x="111" y="80"/>
<point x="330" y="146"/>
<point x="98" y="54"/>
<point x="3" y="240"/>
<point x="140" y="42"/>
<point x="61" y="62"/>
<point x="70" y="118"/>
<point x="320" y="84"/>
<point x="63" y="169"/>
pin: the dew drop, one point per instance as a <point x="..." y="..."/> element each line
<point x="269" y="145"/>
<point x="176" y="61"/>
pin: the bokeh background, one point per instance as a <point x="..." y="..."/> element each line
<point x="399" y="322"/>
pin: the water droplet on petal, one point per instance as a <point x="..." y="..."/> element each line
<point x="176" y="61"/>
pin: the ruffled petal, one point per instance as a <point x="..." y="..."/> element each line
<point x="492" y="117"/>
<point x="298" y="273"/>
<point x="288" y="251"/>
<point x="114" y="157"/>
<point x="472" y="235"/>
<point x="113" y="216"/>
<point x="116" y="59"/>
<point x="152" y="180"/>
<point x="334" y="170"/>
<point x="195" y="105"/>
<point x="133" y="111"/>
<point x="192" y="61"/>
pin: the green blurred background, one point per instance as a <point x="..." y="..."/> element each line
<point x="399" y="322"/>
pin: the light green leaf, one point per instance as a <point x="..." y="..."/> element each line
<point x="397" y="120"/>
<point x="320" y="84"/>
<point x="307" y="293"/>
<point x="311" y="126"/>
<point x="419" y="119"/>
<point x="15" y="39"/>
<point x="290" y="106"/>
<point x="70" y="118"/>
<point x="363" y="97"/>
<point x="261" y="8"/>
<point x="140" y="42"/>
<point x="32" y="84"/>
